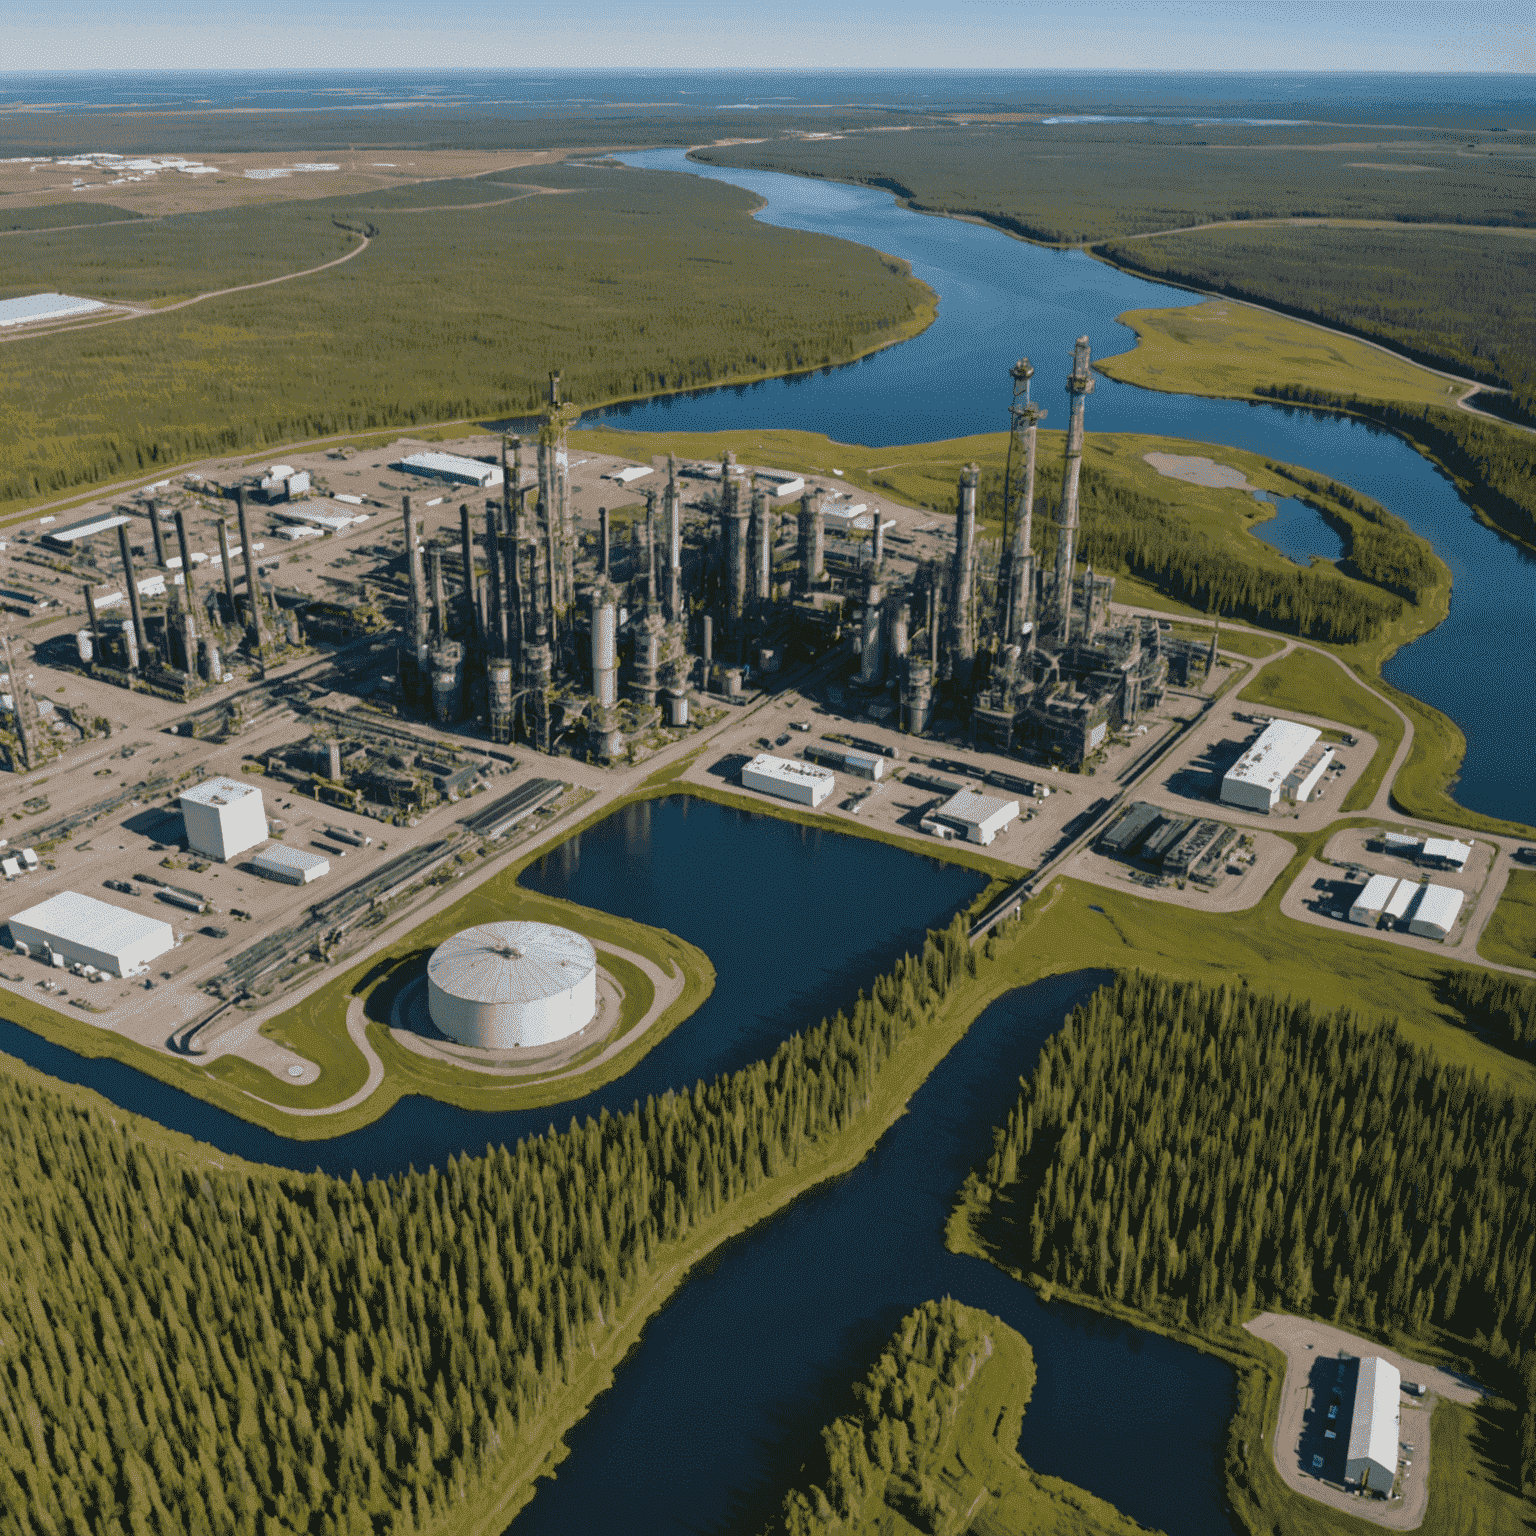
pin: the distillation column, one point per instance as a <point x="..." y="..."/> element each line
<point x="1079" y="387"/>
<point x="962" y="629"/>
<point x="1025" y="417"/>
<point x="674" y="514"/>
<point x="813" y="543"/>
<point x="258" y="634"/>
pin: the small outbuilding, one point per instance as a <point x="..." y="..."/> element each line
<point x="1401" y="899"/>
<point x="1445" y="853"/>
<point x="976" y="818"/>
<point x="293" y="866"/>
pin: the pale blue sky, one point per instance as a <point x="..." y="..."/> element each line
<point x="1414" y="35"/>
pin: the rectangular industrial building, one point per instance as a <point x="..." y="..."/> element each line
<point x="977" y="818"/>
<point x="223" y="818"/>
<point x="1371" y="902"/>
<point x="1371" y="1460"/>
<point x="1402" y="843"/>
<point x="803" y="783"/>
<point x="632" y="472"/>
<point x="75" y="533"/>
<point x="1256" y="779"/>
<point x="1445" y="853"/>
<point x="866" y="764"/>
<point x="1435" y="916"/>
<point x="90" y="932"/>
<point x="44" y="306"/>
<point x="1123" y="837"/>
<point x="293" y="866"/>
<point x="451" y="467"/>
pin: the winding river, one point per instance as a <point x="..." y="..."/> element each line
<point x="1000" y="298"/>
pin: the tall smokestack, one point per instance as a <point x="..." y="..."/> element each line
<point x="650" y="551"/>
<point x="133" y="589"/>
<point x="90" y="613"/>
<point x="877" y="537"/>
<point x="602" y="542"/>
<point x="762" y="544"/>
<point x="1019" y="591"/>
<point x="159" y="533"/>
<point x="1079" y="387"/>
<point x="186" y="573"/>
<point x="962" y="630"/>
<point x="674" y="542"/>
<point x="495" y="606"/>
<point x="812" y="550"/>
<point x="228" y="568"/>
<point x="736" y="558"/>
<point x="437" y="589"/>
<point x="252" y="589"/>
<point x="467" y="556"/>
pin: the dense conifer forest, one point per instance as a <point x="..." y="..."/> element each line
<point x="630" y="282"/>
<point x="1076" y="182"/>
<point x="1504" y="1006"/>
<point x="1200" y="1153"/>
<point x="187" y="1351"/>
<point x="1454" y="299"/>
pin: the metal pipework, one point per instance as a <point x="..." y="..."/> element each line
<point x="252" y="590"/>
<point x="186" y="572"/>
<point x="674" y="507"/>
<point x="159" y="533"/>
<point x="229" y="575"/>
<point x="133" y="589"/>
<point x="1079" y="387"/>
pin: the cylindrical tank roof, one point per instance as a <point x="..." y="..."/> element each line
<point x="512" y="962"/>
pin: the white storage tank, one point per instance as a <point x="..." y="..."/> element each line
<point x="513" y="983"/>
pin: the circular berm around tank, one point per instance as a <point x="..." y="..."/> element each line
<point x="512" y="984"/>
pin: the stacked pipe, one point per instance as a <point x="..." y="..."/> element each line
<point x="1079" y="387"/>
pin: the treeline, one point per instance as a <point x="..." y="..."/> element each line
<point x="1449" y="298"/>
<point x="1126" y="529"/>
<point x="1504" y="1006"/>
<point x="1200" y="1153"/>
<point x="54" y="215"/>
<point x="906" y="1408"/>
<point x="1383" y="549"/>
<point x="210" y="1352"/>
<point x="1496" y="464"/>
<point x="634" y="284"/>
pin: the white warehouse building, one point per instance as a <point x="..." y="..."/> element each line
<point x="1372" y="900"/>
<point x="86" y="931"/>
<point x="452" y="467"/>
<point x="783" y="777"/>
<point x="223" y="818"/>
<point x="1371" y="1460"/>
<point x="1256" y="779"/>
<point x="512" y="984"/>
<point x="977" y="818"/>
<point x="1437" y="911"/>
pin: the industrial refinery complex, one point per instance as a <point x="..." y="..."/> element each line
<point x="263" y="717"/>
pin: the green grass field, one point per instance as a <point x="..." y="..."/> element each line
<point x="1510" y="936"/>
<point x="1225" y="348"/>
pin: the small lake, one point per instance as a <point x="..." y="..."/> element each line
<point x="1298" y="531"/>
<point x="1001" y="298"/>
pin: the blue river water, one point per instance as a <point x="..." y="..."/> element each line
<point x="1001" y="298"/>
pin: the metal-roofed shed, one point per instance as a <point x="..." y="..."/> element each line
<point x="1371" y="1460"/>
<point x="1372" y="900"/>
<point x="1437" y="911"/>
<point x="293" y="866"/>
